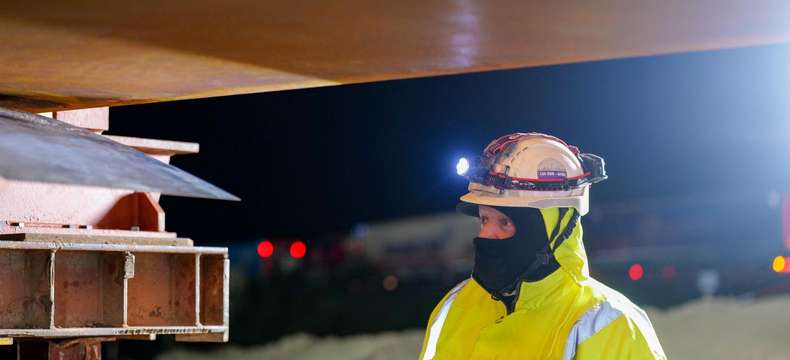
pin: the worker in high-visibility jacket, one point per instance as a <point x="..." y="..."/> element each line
<point x="530" y="295"/>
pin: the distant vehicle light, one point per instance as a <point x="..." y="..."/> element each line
<point x="779" y="264"/>
<point x="669" y="272"/>
<point x="298" y="249"/>
<point x="708" y="281"/>
<point x="635" y="272"/>
<point x="390" y="283"/>
<point x="462" y="167"/>
<point x="265" y="249"/>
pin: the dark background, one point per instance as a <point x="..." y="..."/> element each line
<point x="696" y="147"/>
<point x="312" y="161"/>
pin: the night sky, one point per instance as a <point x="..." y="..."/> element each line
<point x="316" y="161"/>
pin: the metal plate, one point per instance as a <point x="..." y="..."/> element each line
<point x="88" y="53"/>
<point x="39" y="149"/>
<point x="82" y="290"/>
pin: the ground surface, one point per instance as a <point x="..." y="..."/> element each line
<point x="705" y="329"/>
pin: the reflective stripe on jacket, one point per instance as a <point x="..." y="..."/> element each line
<point x="567" y="315"/>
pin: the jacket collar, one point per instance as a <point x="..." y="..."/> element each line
<point x="573" y="269"/>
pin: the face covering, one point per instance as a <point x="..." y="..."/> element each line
<point x="500" y="262"/>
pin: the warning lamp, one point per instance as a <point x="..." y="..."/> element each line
<point x="635" y="272"/>
<point x="265" y="249"/>
<point x="298" y="249"/>
<point x="781" y="265"/>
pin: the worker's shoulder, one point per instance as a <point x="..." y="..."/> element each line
<point x="449" y="297"/>
<point x="610" y="306"/>
<point x="455" y="290"/>
<point x="612" y="301"/>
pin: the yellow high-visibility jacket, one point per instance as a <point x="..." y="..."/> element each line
<point x="567" y="315"/>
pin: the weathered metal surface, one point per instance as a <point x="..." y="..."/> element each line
<point x="129" y="330"/>
<point x="15" y="229"/>
<point x="22" y="202"/>
<point x="73" y="349"/>
<point x="97" y="239"/>
<point x="86" y="53"/>
<point x="47" y="206"/>
<point x="89" y="289"/>
<point x="139" y="211"/>
<point x="210" y="337"/>
<point x="147" y="337"/>
<point x="25" y="289"/>
<point x="52" y="289"/>
<point x="83" y="262"/>
<point x="212" y="297"/>
<point x="162" y="291"/>
<point x="157" y="147"/>
<point x="94" y="119"/>
<point x="38" y="149"/>
<point x="77" y="349"/>
<point x="135" y="248"/>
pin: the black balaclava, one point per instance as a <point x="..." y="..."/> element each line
<point x="500" y="262"/>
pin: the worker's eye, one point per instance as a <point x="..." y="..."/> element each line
<point x="504" y="222"/>
<point x="483" y="219"/>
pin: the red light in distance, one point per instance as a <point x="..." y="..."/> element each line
<point x="635" y="272"/>
<point x="669" y="272"/>
<point x="265" y="249"/>
<point x="298" y="249"/>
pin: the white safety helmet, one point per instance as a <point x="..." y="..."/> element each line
<point x="533" y="170"/>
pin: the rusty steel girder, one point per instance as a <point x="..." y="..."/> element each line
<point x="55" y="290"/>
<point x="84" y="254"/>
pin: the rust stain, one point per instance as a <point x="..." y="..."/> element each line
<point x="111" y="268"/>
<point x="144" y="331"/>
<point x="156" y="312"/>
<point x="87" y="299"/>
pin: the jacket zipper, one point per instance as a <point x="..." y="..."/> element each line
<point x="511" y="306"/>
